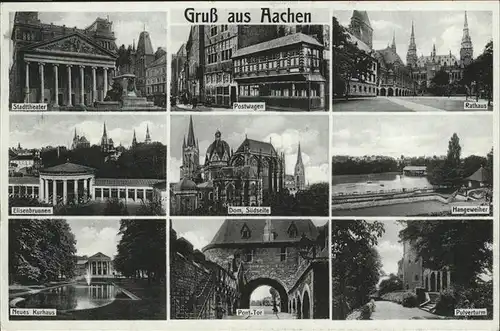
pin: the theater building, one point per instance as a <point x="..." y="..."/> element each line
<point x="98" y="265"/>
<point x="59" y="65"/>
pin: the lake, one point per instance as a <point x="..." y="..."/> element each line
<point x="374" y="183"/>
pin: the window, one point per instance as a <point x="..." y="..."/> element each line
<point x="248" y="255"/>
<point x="292" y="229"/>
<point x="416" y="278"/>
<point x="245" y="232"/>
<point x="283" y="254"/>
<point x="223" y="28"/>
<point x="213" y="31"/>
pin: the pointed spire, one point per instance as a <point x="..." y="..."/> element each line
<point x="75" y="133"/>
<point x="104" y="134"/>
<point x="134" y="140"/>
<point x="191" y="141"/>
<point x="148" y="137"/>
<point x="299" y="156"/>
<point x="184" y="142"/>
<point x="412" y="31"/>
<point x="393" y="46"/>
<point x="466" y="25"/>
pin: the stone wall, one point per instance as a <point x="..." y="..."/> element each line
<point x="254" y="34"/>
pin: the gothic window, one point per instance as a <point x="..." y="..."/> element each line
<point x="245" y="232"/>
<point x="292" y="231"/>
<point x="416" y="278"/>
<point x="283" y="254"/>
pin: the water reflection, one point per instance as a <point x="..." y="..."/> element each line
<point x="377" y="183"/>
<point x="73" y="297"/>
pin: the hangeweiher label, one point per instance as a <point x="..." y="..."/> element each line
<point x="468" y="210"/>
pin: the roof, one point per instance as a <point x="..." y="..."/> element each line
<point x="479" y="176"/>
<point x="230" y="231"/>
<point x="100" y="256"/>
<point x="185" y="184"/>
<point x="361" y="45"/>
<point x="291" y="39"/>
<point x="22" y="157"/>
<point x="160" y="61"/>
<point x="219" y="147"/>
<point x="24" y="180"/>
<point x="389" y="56"/>
<point x="208" y="184"/>
<point x="82" y="261"/>
<point x="144" y="45"/>
<point x="256" y="146"/>
<point x="415" y="168"/>
<point x="361" y="15"/>
<point x="68" y="168"/>
<point x="134" y="182"/>
<point x="162" y="186"/>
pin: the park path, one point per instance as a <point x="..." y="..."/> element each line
<point x="387" y="310"/>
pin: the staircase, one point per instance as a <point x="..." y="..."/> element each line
<point x="430" y="304"/>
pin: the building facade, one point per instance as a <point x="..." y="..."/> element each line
<point x="156" y="81"/>
<point x="195" y="62"/>
<point x="59" y="65"/>
<point x="247" y="176"/>
<point x="177" y="86"/>
<point x="98" y="265"/>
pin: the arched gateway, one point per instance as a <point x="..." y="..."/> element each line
<point x="272" y="252"/>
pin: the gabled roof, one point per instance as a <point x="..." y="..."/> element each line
<point x="288" y="40"/>
<point x="256" y="147"/>
<point x="479" y="176"/>
<point x="100" y="256"/>
<point x="84" y="38"/>
<point x="229" y="234"/>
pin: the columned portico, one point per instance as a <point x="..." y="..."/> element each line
<point x="69" y="66"/>
<point x="42" y="80"/>
<point x="82" y="86"/>
<point x="27" y="83"/>
<point x="56" y="84"/>
<point x="105" y="72"/>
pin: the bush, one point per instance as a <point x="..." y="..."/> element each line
<point x="366" y="312"/>
<point x="446" y="302"/>
<point x="409" y="300"/>
<point x="479" y="296"/>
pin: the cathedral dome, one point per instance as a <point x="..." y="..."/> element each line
<point x="218" y="148"/>
<point x="185" y="185"/>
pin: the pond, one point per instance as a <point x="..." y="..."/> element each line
<point x="74" y="297"/>
<point x="374" y="183"/>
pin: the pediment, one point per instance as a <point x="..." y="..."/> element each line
<point x="74" y="43"/>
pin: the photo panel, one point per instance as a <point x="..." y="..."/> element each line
<point x="249" y="269"/>
<point x="250" y="67"/>
<point x="87" y="269"/>
<point x="439" y="269"/>
<point x="252" y="164"/>
<point x="88" y="61"/>
<point x="397" y="165"/>
<point x="109" y="165"/>
<point x="408" y="61"/>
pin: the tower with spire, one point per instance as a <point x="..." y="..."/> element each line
<point x="107" y="144"/>
<point x="148" y="137"/>
<point x="466" y="49"/>
<point x="411" y="55"/>
<point x="393" y="45"/>
<point x="361" y="28"/>
<point x="134" y="140"/>
<point x="190" y="154"/>
<point x="299" y="173"/>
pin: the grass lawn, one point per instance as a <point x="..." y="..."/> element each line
<point x="152" y="305"/>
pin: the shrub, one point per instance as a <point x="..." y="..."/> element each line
<point x="446" y="302"/>
<point x="409" y="300"/>
<point x="366" y="312"/>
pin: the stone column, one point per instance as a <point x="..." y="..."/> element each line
<point x="441" y="281"/>
<point x="448" y="283"/>
<point x="135" y="195"/>
<point x="42" y="82"/>
<point x="126" y="194"/>
<point x="322" y="94"/>
<point x="76" y="190"/>
<point x="85" y="185"/>
<point x="94" y="86"/>
<point x="40" y="190"/>
<point x="69" y="85"/>
<point x="435" y="281"/>
<point x="56" y="87"/>
<point x="46" y="194"/>
<point x="144" y="194"/>
<point x="82" y="86"/>
<point x="54" y="190"/>
<point x="27" y="86"/>
<point x="105" y="82"/>
<point x="91" y="188"/>
<point x="65" y="191"/>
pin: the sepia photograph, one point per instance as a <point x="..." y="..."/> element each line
<point x="249" y="165"/>
<point x="250" y="67"/>
<point x="88" y="61"/>
<point x="241" y="269"/>
<point x="87" y="269"/>
<point x="412" y="61"/>
<point x="396" y="165"/>
<point x="412" y="269"/>
<point x="87" y="165"/>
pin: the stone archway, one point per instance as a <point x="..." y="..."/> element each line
<point x="383" y="92"/>
<point x="246" y="292"/>
<point x="306" y="305"/>
<point x="390" y="92"/>
<point x="299" y="308"/>
<point x="433" y="282"/>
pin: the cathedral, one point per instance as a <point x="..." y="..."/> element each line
<point x="79" y="141"/>
<point x="389" y="75"/>
<point x="245" y="177"/>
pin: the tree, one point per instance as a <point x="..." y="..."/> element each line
<point x="348" y="61"/>
<point x="40" y="250"/>
<point x="115" y="207"/>
<point x="489" y="167"/>
<point x="440" y="82"/>
<point x="391" y="284"/>
<point x="354" y="240"/>
<point x="464" y="246"/>
<point x="142" y="249"/>
<point x="481" y="71"/>
<point x="472" y="163"/>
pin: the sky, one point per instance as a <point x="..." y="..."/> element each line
<point x="285" y="132"/>
<point x="411" y="135"/>
<point x="389" y="247"/>
<point x="444" y="28"/>
<point x="178" y="36"/>
<point x="36" y="130"/>
<point x="127" y="26"/>
<point x="95" y="235"/>
<point x="200" y="236"/>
